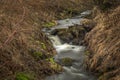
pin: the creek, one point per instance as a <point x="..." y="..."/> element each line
<point x="74" y="54"/>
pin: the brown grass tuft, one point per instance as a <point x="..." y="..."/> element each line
<point x="104" y="43"/>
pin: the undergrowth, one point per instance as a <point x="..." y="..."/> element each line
<point x="24" y="76"/>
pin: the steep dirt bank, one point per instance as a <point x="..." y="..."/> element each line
<point x="104" y="45"/>
<point x="19" y="41"/>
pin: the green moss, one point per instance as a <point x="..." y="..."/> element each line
<point x="82" y="29"/>
<point x="49" y="24"/>
<point x="51" y="60"/>
<point x="38" y="55"/>
<point x="43" y="45"/>
<point x="54" y="65"/>
<point x="24" y="76"/>
<point x="87" y="52"/>
<point x="67" y="61"/>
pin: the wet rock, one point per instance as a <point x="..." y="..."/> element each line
<point x="46" y="29"/>
<point x="54" y="32"/>
<point x="86" y="13"/>
<point x="66" y="61"/>
<point x="73" y="35"/>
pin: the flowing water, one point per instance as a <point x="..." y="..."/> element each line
<point x="75" y="70"/>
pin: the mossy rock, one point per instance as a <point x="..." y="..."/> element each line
<point x="56" y="67"/>
<point x="67" y="61"/>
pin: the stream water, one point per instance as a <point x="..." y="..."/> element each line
<point x="75" y="70"/>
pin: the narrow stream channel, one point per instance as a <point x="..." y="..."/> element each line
<point x="75" y="70"/>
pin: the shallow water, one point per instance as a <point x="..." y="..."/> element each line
<point x="76" y="70"/>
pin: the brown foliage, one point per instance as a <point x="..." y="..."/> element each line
<point x="104" y="44"/>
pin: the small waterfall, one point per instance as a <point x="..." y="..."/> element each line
<point x="75" y="70"/>
<point x="55" y="40"/>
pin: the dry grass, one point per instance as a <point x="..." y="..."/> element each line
<point x="20" y="34"/>
<point x="104" y="44"/>
<point x="18" y="39"/>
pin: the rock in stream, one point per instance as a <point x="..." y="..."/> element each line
<point x="67" y="38"/>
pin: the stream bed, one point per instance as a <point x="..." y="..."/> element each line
<point x="73" y="54"/>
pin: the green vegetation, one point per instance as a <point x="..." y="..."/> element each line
<point x="82" y="29"/>
<point x="51" y="60"/>
<point x="49" y="24"/>
<point x="38" y="55"/>
<point x="43" y="45"/>
<point x="24" y="76"/>
<point x="87" y="53"/>
<point x="54" y="65"/>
